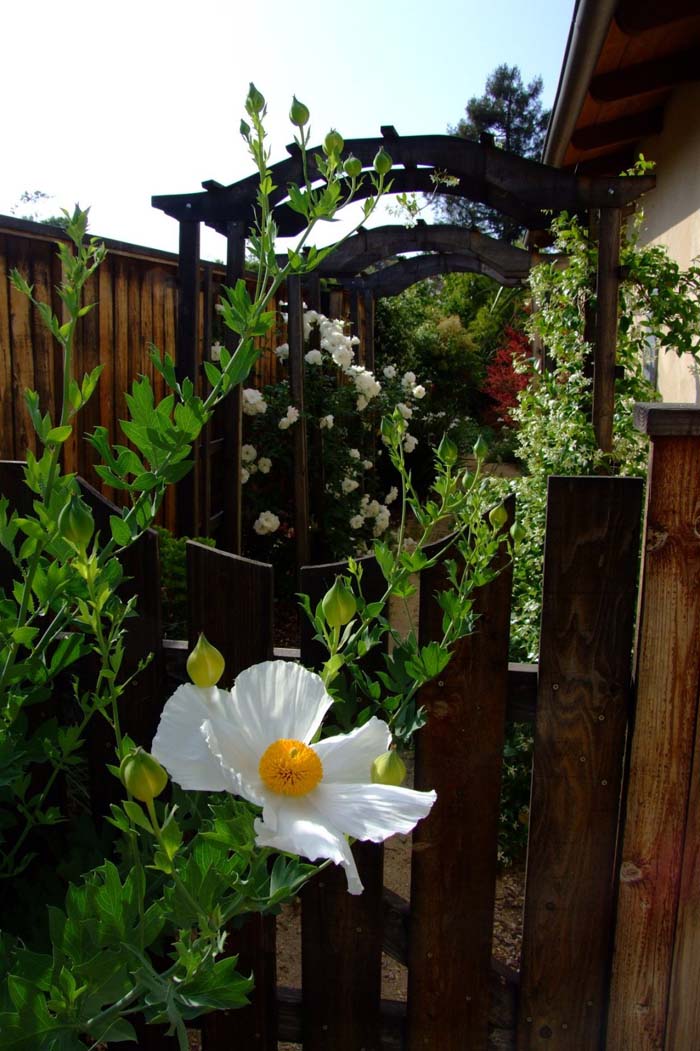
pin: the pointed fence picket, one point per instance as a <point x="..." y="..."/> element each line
<point x="598" y="829"/>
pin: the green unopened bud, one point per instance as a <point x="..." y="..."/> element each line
<point x="383" y="162"/>
<point x="447" y="451"/>
<point x="517" y="532"/>
<point x="299" y="113"/>
<point x="142" y="775"/>
<point x="205" y="664"/>
<point x="333" y="143"/>
<point x="498" y="516"/>
<point x="388" y="769"/>
<point x="255" y="101"/>
<point x="245" y="129"/>
<point x="75" y="523"/>
<point x="480" y="448"/>
<point x="353" y="166"/>
<point x="339" y="605"/>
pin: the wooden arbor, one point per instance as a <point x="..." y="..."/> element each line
<point x="522" y="189"/>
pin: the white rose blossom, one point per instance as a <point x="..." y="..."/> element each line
<point x="405" y="410"/>
<point x="282" y="352"/>
<point x="361" y="402"/>
<point x="419" y="391"/>
<point x="354" y="454"/>
<point x="264" y="464"/>
<point x="253" y="402"/>
<point x="367" y="464"/>
<point x="245" y="475"/>
<point x="291" y="417"/>
<point x="390" y="372"/>
<point x="248" y="453"/>
<point x="391" y="495"/>
<point x="259" y="741"/>
<point x="408" y="380"/>
<point x="348" y="485"/>
<point x="356" y="522"/>
<point x="410" y="442"/>
<point x="314" y="357"/>
<point x="266" y="522"/>
<point x="326" y="422"/>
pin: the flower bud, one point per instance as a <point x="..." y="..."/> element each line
<point x="205" y="664"/>
<point x="142" y="775"/>
<point x="255" y="100"/>
<point x="388" y="769"/>
<point x="498" y="516"/>
<point x="339" y="605"/>
<point x="299" y="113"/>
<point x="383" y="162"/>
<point x="517" y="532"/>
<point x="447" y="451"/>
<point x="353" y="166"/>
<point x="75" y="523"/>
<point x="245" y="129"/>
<point x="333" y="143"/>
<point x="480" y="448"/>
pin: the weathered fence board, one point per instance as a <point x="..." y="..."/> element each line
<point x="653" y="995"/>
<point x="453" y="870"/>
<point x="590" y="567"/>
<point x="341" y="934"/>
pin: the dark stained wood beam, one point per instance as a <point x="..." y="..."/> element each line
<point x="187" y="365"/>
<point x="644" y="77"/>
<point x="368" y="247"/>
<point x="393" y="279"/>
<point x="486" y="173"/>
<point x="605" y="348"/>
<point x="638" y="16"/>
<point x="295" y="338"/>
<point x="625" y="129"/>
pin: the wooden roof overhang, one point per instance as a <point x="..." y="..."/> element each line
<point x="646" y="49"/>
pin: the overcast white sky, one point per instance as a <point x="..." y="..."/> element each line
<point x="108" y="104"/>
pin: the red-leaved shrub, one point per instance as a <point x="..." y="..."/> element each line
<point x="503" y="382"/>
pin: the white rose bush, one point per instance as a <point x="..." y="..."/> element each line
<point x="344" y="405"/>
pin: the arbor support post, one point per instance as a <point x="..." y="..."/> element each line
<point x="606" y="326"/>
<point x="187" y="365"/>
<point x="232" y="526"/>
<point x="295" y="338"/>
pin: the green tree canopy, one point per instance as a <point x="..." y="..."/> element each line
<point x="511" y="113"/>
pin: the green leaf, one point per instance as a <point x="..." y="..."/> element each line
<point x="120" y="531"/>
<point x="59" y="434"/>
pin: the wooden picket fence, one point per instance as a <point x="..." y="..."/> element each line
<point x="611" y="923"/>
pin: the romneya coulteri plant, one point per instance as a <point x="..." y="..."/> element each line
<point x="143" y="931"/>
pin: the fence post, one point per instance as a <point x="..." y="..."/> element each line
<point x="341" y="940"/>
<point x="453" y="867"/>
<point x="230" y="600"/>
<point x="585" y="672"/>
<point x="653" y="1001"/>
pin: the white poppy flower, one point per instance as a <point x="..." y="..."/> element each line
<point x="258" y="742"/>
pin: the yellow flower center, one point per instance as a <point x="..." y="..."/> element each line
<point x="290" y="768"/>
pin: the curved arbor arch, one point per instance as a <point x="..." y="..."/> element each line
<point x="522" y="189"/>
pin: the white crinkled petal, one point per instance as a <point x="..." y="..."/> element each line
<point x="238" y="763"/>
<point x="278" y="699"/>
<point x="372" y="812"/>
<point x="179" y="744"/>
<point x="292" y="825"/>
<point x="348" y="758"/>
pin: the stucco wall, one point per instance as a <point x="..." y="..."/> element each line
<point x="672" y="214"/>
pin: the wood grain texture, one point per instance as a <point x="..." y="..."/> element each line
<point x="7" y="423"/>
<point x="22" y="357"/>
<point x="453" y="870"/>
<point x="341" y="952"/>
<point x="657" y="902"/>
<point x="670" y="420"/>
<point x="591" y="551"/>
